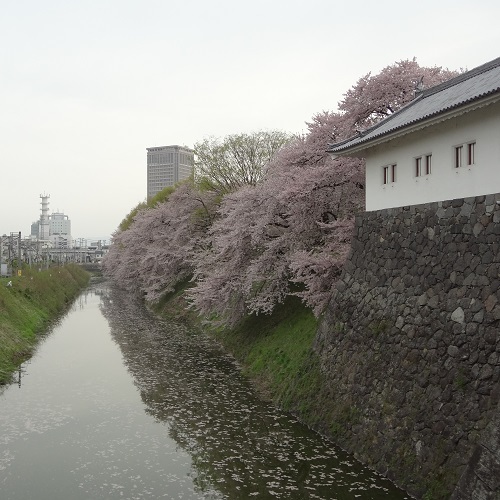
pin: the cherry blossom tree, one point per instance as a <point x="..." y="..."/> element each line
<point x="154" y="248"/>
<point x="179" y="236"/>
<point x="376" y="97"/>
<point x="290" y="234"/>
<point x="156" y="251"/>
<point x="263" y="221"/>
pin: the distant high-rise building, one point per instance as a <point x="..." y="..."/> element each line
<point x="168" y="165"/>
<point x="35" y="229"/>
<point x="60" y="230"/>
<point x="55" y="227"/>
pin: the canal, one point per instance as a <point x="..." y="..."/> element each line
<point x="116" y="404"/>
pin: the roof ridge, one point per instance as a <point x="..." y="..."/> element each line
<point x="462" y="77"/>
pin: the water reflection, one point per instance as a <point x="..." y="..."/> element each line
<point x="76" y="428"/>
<point x="115" y="404"/>
<point x="240" y="447"/>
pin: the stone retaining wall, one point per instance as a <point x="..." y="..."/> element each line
<point x="410" y="343"/>
<point x="481" y="479"/>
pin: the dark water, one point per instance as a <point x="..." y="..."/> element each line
<point x="116" y="405"/>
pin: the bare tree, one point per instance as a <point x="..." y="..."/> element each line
<point x="237" y="160"/>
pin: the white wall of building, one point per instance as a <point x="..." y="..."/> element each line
<point x="445" y="181"/>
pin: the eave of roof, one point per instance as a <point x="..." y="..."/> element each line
<point x="468" y="91"/>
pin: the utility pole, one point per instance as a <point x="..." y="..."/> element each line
<point x="9" y="262"/>
<point x="19" y="251"/>
<point x="3" y="268"/>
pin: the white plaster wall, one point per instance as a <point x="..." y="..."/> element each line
<point x="445" y="182"/>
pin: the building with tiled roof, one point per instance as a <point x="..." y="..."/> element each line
<point x="444" y="144"/>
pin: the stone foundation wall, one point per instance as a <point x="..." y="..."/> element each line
<point x="410" y="343"/>
<point x="481" y="479"/>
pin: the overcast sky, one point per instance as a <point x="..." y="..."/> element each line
<point x="87" y="85"/>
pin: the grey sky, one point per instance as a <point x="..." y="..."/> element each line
<point x="86" y="86"/>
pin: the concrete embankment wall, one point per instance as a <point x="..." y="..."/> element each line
<point x="410" y="344"/>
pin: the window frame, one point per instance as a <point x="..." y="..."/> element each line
<point x="418" y="166"/>
<point x="464" y="154"/>
<point x="458" y="156"/>
<point x="389" y="174"/>
<point x="471" y="153"/>
<point x="423" y="165"/>
<point x="428" y="164"/>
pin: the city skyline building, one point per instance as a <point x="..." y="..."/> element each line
<point x="167" y="165"/>
<point x="60" y="230"/>
<point x="54" y="228"/>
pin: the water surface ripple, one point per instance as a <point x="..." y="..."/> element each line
<point x="116" y="404"/>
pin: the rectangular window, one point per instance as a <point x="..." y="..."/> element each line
<point x="418" y="167"/>
<point x="458" y="156"/>
<point x="423" y="165"/>
<point x="470" y="153"/>
<point x="386" y="175"/>
<point x="428" y="164"/>
<point x="389" y="174"/>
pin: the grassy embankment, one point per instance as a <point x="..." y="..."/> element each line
<point x="28" y="305"/>
<point x="275" y="352"/>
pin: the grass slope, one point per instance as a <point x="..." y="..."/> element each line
<point x="275" y="352"/>
<point x="28" y="305"/>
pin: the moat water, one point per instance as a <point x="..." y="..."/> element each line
<point x="115" y="404"/>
